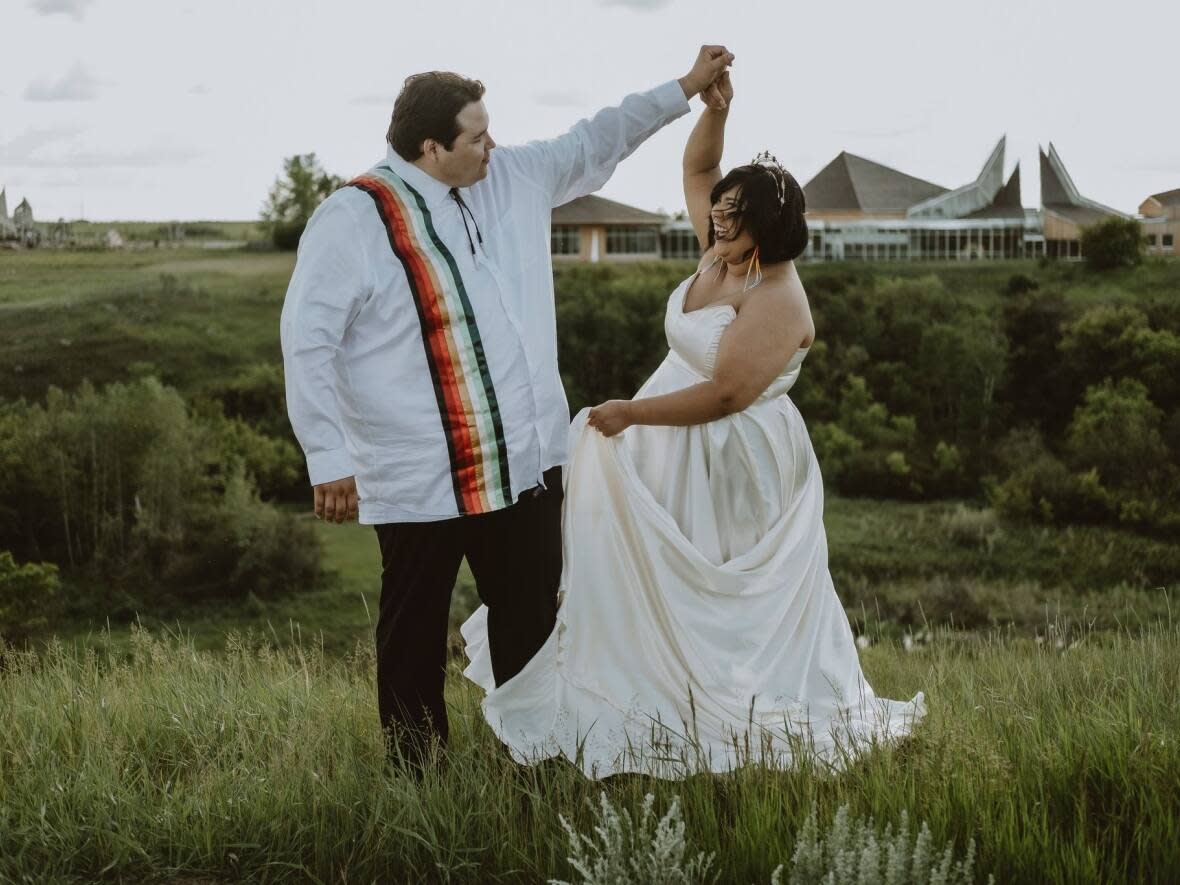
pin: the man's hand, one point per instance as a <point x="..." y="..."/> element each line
<point x="710" y="64"/>
<point x="336" y="501"/>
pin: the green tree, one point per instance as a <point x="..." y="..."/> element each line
<point x="1035" y="388"/>
<point x="1114" y="243"/>
<point x="1117" y="341"/>
<point x="867" y="451"/>
<point x="1117" y="431"/>
<point x="129" y="492"/>
<point x="296" y="193"/>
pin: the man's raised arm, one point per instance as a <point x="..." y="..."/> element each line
<point x="582" y="160"/>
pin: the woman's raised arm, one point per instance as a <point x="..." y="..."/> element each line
<point x="702" y="161"/>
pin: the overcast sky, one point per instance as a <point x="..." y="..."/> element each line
<point x="162" y="109"/>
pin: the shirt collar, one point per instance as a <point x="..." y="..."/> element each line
<point x="432" y="190"/>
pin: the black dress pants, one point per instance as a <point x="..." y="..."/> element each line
<point x="515" y="558"/>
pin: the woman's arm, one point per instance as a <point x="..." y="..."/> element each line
<point x="702" y="160"/>
<point x="750" y="356"/>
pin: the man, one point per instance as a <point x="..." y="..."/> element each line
<point x="420" y="349"/>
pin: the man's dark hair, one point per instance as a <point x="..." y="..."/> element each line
<point x="779" y="230"/>
<point x="426" y="108"/>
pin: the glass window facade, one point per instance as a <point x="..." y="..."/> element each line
<point x="565" y="240"/>
<point x="632" y="241"/>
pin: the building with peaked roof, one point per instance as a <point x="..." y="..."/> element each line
<point x="861" y="210"/>
<point x="22" y="216"/>
<point x="1160" y="216"/>
<point x="853" y="187"/>
<point x="858" y="209"/>
<point x="21" y="226"/>
<point x="594" y="229"/>
<point x="1065" y="212"/>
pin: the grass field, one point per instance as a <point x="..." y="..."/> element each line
<point x="150" y="231"/>
<point x="178" y="765"/>
<point x="898" y="567"/>
<point x="190" y="318"/>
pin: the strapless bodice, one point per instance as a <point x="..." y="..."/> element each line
<point x="693" y="339"/>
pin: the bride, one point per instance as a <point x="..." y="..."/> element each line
<point x="698" y="627"/>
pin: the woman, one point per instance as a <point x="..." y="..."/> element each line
<point x="699" y="628"/>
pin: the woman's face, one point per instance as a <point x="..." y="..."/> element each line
<point x="729" y="245"/>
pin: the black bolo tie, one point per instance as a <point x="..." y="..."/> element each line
<point x="464" y="211"/>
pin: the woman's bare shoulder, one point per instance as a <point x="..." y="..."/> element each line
<point x="784" y="295"/>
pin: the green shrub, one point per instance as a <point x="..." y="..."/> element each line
<point x="126" y="489"/>
<point x="641" y="851"/>
<point x="1116" y="431"/>
<point x="1020" y="283"/>
<point x="275" y="463"/>
<point x="1113" y="243"/>
<point x="852" y="852"/>
<point x="610" y="327"/>
<point x="849" y="851"/>
<point x="257" y="394"/>
<point x="864" y="450"/>
<point x="1039" y="487"/>
<point x="28" y="595"/>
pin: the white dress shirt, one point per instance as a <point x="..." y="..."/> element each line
<point x="359" y="390"/>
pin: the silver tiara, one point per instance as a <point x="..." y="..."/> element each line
<point x="769" y="162"/>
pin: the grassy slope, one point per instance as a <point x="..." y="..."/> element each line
<point x="190" y="318"/>
<point x="1064" y="766"/>
<point x="894" y="563"/>
<point x="195" y="317"/>
<point x="335" y="616"/>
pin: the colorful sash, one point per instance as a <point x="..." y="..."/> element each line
<point x="454" y="351"/>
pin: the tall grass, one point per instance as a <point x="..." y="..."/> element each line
<point x="265" y="764"/>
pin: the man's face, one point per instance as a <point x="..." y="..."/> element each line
<point x="467" y="160"/>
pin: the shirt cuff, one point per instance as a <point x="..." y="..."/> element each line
<point x="671" y="100"/>
<point x="327" y="466"/>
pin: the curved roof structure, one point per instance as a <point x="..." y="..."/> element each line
<point x="1060" y="195"/>
<point x="962" y="201"/>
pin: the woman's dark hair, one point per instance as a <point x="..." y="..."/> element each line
<point x="426" y="108"/>
<point x="779" y="230"/>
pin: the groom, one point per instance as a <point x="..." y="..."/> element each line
<point x="420" y="351"/>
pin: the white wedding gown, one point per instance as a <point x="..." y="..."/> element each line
<point x="698" y="627"/>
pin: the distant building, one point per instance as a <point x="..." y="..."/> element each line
<point x="22" y="217"/>
<point x="7" y="228"/>
<point x="861" y="210"/>
<point x="1160" y="217"/>
<point x="594" y="229"/>
<point x="1065" y="211"/>
<point x="858" y="209"/>
<point x="21" y="226"/>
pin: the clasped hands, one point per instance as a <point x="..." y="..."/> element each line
<point x="709" y="77"/>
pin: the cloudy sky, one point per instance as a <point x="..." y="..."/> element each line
<point x="162" y="109"/>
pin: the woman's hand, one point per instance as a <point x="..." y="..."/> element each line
<point x="612" y="417"/>
<point x="719" y="93"/>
